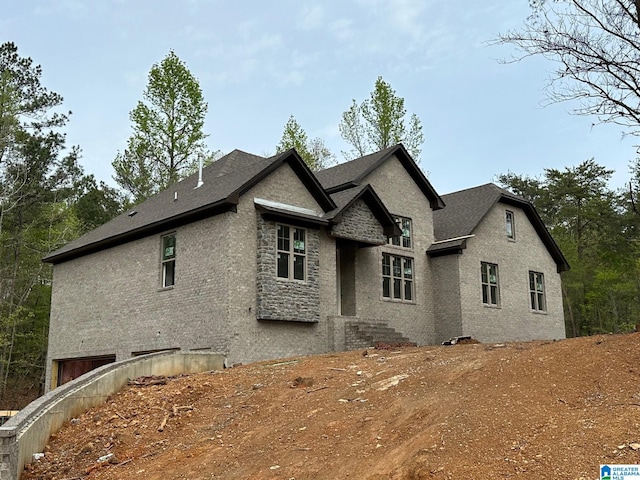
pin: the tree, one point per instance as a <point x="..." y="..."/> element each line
<point x="596" y="46"/>
<point x="96" y="203"/>
<point x="314" y="152"/>
<point x="167" y="134"/>
<point x="379" y="122"/>
<point x="36" y="184"/>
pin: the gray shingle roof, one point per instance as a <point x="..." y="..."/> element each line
<point x="224" y="181"/>
<point x="344" y="198"/>
<point x="350" y="174"/>
<point x="465" y="210"/>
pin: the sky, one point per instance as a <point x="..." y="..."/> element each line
<point x="260" y="62"/>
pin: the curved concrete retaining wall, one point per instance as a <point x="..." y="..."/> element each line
<point x="28" y="432"/>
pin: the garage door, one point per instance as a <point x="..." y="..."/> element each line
<point x="73" y="368"/>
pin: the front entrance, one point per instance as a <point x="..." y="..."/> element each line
<point x="346" y="281"/>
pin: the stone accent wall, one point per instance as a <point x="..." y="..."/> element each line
<point x="358" y="223"/>
<point x="280" y="299"/>
<point x="251" y="339"/>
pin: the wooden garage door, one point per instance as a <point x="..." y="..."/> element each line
<point x="73" y="368"/>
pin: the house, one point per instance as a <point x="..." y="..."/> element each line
<point x="265" y="259"/>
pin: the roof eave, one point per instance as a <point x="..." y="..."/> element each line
<point x="450" y="250"/>
<point x="304" y="173"/>
<point x="272" y="213"/>
<point x="165" y="224"/>
<point x="435" y="201"/>
<point x="341" y="187"/>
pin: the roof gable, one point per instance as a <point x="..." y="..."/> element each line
<point x="350" y="174"/>
<point x="465" y="210"/>
<point x="303" y="172"/>
<point x="346" y="198"/>
<point x="224" y="181"/>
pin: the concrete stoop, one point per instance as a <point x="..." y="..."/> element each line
<point x="363" y="334"/>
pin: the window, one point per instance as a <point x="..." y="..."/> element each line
<point x="489" y="279"/>
<point x="291" y="252"/>
<point x="536" y="291"/>
<point x="511" y="229"/>
<point x="169" y="260"/>
<point x="397" y="277"/>
<point x="403" y="240"/>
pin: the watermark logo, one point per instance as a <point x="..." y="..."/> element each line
<point x="619" y="472"/>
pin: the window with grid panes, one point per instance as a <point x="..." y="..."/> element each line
<point x="403" y="240"/>
<point x="168" y="261"/>
<point x="536" y="291"/>
<point x="291" y="252"/>
<point x="490" y="287"/>
<point x="511" y="228"/>
<point x="397" y="277"/>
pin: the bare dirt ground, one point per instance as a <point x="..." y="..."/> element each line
<point x="538" y="410"/>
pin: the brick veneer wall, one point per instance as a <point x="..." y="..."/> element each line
<point x="252" y="339"/>
<point x="446" y="297"/>
<point x="513" y="319"/>
<point x="111" y="302"/>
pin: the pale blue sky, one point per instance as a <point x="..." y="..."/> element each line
<point x="260" y="62"/>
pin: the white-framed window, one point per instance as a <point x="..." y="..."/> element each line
<point x="168" y="260"/>
<point x="403" y="240"/>
<point x="490" y="285"/>
<point x="510" y="225"/>
<point x="536" y="292"/>
<point x="291" y="252"/>
<point x="397" y="277"/>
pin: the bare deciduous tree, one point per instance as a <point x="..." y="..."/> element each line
<point x="596" y="46"/>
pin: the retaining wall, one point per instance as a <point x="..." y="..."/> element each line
<point x="28" y="432"/>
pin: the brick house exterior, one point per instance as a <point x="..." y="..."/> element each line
<point x="501" y="233"/>
<point x="267" y="259"/>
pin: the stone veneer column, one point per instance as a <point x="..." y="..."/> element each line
<point x="280" y="299"/>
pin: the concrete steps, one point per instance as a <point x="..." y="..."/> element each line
<point x="363" y="334"/>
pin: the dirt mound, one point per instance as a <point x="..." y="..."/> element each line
<point x="535" y="410"/>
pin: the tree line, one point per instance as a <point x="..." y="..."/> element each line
<point x="46" y="200"/>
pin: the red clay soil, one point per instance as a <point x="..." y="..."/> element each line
<point x="537" y="410"/>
